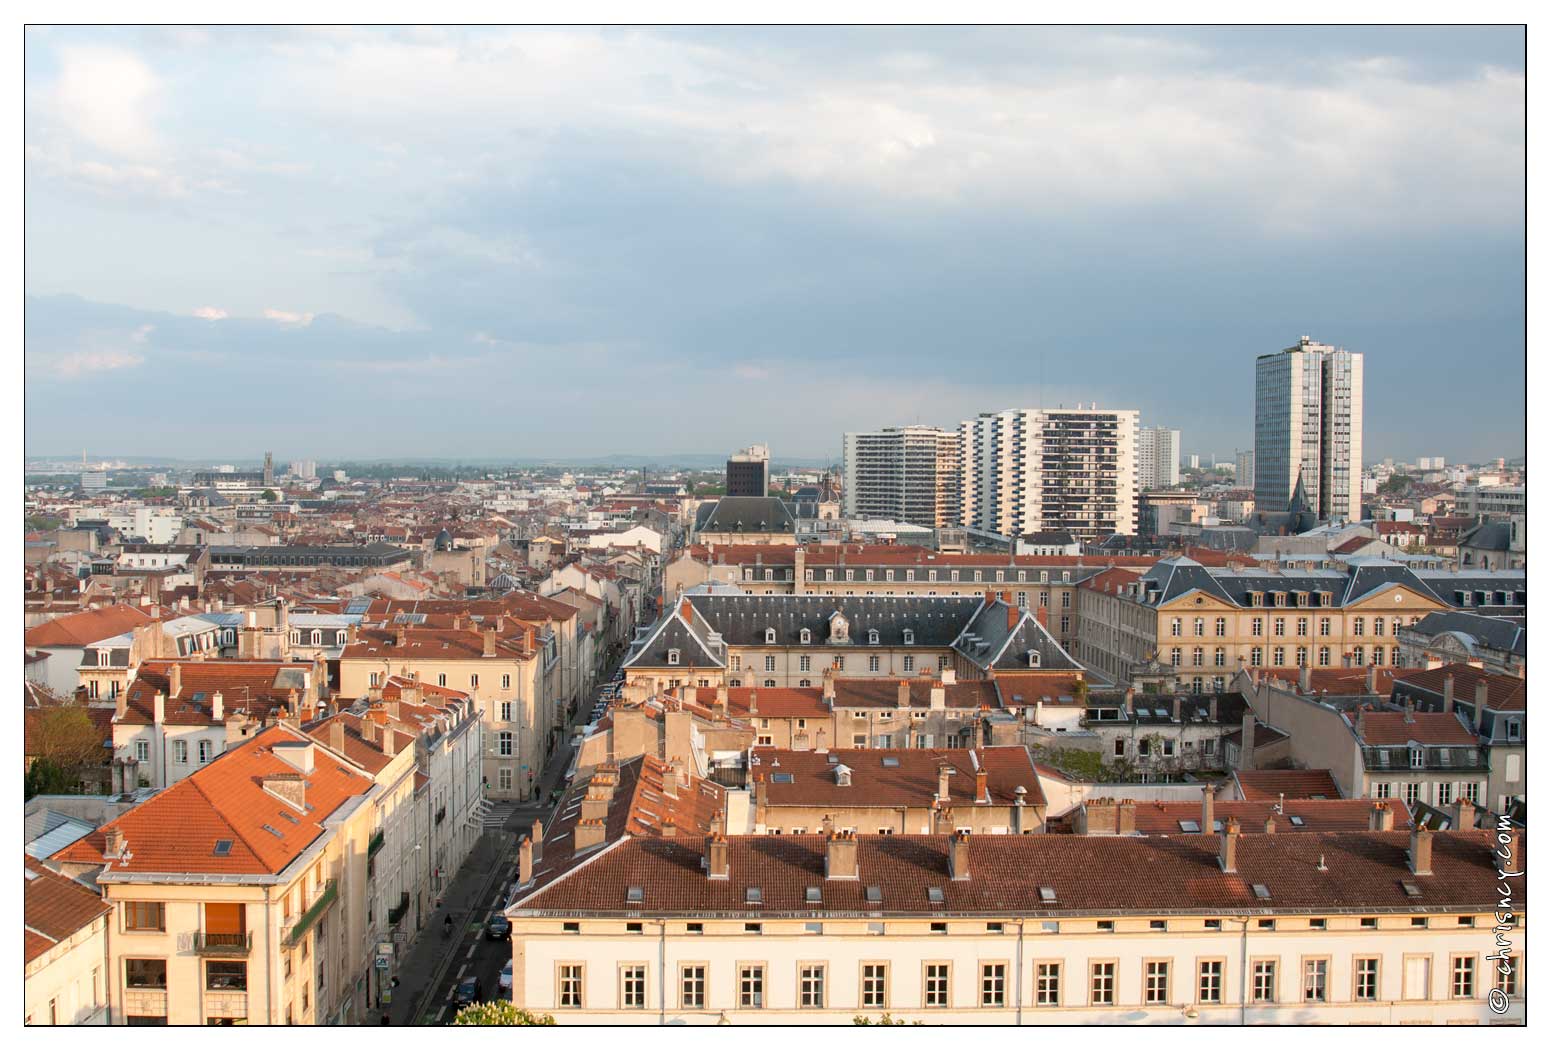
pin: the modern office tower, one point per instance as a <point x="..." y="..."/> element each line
<point x="1309" y="421"/>
<point x="1157" y="458"/>
<point x="1244" y="469"/>
<point x="1029" y="470"/>
<point x="908" y="474"/>
<point x="748" y="472"/>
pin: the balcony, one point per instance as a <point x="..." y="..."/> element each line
<point x="441" y="815"/>
<point x="396" y="913"/>
<point x="377" y="840"/>
<point x="315" y="911"/>
<point x="208" y="943"/>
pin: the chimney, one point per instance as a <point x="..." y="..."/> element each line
<point x="1270" y="824"/>
<point x="388" y="741"/>
<point x="337" y="735"/>
<point x="1131" y="701"/>
<point x="158" y="708"/>
<point x="1448" y="693"/>
<point x="958" y="856"/>
<point x="1381" y="818"/>
<point x="670" y="828"/>
<point x="174" y="680"/>
<point x="753" y="701"/>
<point x="1211" y="710"/>
<point x="721" y="701"/>
<point x="1464" y="815"/>
<point x="1043" y="616"/>
<point x="944" y="772"/>
<point x="589" y="833"/>
<point x="716" y="856"/>
<point x="1125" y="818"/>
<point x="217" y="706"/>
<point x="537" y="839"/>
<point x="1508" y="855"/>
<point x="1178" y="705"/>
<point x="595" y="803"/>
<point x="840" y="856"/>
<point x="1208" y="801"/>
<point x="1481" y="695"/>
<point x="1373" y="678"/>
<point x="489" y="642"/>
<point x="939" y="697"/>
<point x="1410" y="710"/>
<point x="1421" y="851"/>
<point x="525" y="863"/>
<point x="1305" y="679"/>
<point x="902" y="694"/>
<point x="982" y="791"/>
<point x="1247" y="741"/>
<point x="942" y="820"/>
<point x="120" y="705"/>
<point x="290" y="787"/>
<point x="1228" y="853"/>
<point x="1013" y="616"/>
<point x="829" y="687"/>
<point x="115" y="844"/>
<point x="949" y="676"/>
<point x="761" y="794"/>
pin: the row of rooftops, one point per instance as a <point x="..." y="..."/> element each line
<point x="1173" y="578"/>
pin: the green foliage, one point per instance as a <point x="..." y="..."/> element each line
<point x="47" y="778"/>
<point x="43" y="523"/>
<point x="1082" y="764"/>
<point x="885" y="1019"/>
<point x="269" y="496"/>
<point x="157" y="491"/>
<point x="500" y="1012"/>
<point x="1396" y="484"/>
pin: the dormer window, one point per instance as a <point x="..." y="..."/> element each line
<point x="339" y="638"/>
<point x="1033" y="658"/>
<point x="910" y="637"/>
<point x="807" y="636"/>
<point x="317" y="637"/>
<point x="872" y="636"/>
<point x="296" y="638"/>
<point x="673" y="656"/>
<point x="770" y="636"/>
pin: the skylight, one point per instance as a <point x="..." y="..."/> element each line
<point x="874" y="894"/>
<point x="223" y="847"/>
<point x="781" y="779"/>
<point x="1261" y="890"/>
<point x="934" y="895"/>
<point x="1411" y="889"/>
<point x="1047" y="894"/>
<point x="815" y="894"/>
<point x="891" y="760"/>
<point x="635" y="894"/>
<point x="753" y="895"/>
<point x="1190" y="826"/>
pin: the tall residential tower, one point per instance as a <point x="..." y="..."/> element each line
<point x="1157" y="458"/>
<point x="908" y="474"/>
<point x="1309" y="420"/>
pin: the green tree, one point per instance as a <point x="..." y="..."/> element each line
<point x="269" y="496"/>
<point x="47" y="778"/>
<point x="500" y="1012"/>
<point x="885" y="1019"/>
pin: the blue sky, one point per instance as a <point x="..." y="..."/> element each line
<point x="529" y="243"/>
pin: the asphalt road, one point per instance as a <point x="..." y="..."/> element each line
<point x="474" y="953"/>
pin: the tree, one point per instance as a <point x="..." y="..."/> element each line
<point x="500" y="1012"/>
<point x="270" y="496"/>
<point x="1396" y="485"/>
<point x="65" y="735"/>
<point x="885" y="1019"/>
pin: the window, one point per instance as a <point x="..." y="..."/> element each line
<point x="1462" y="985"/>
<point x="1365" y="980"/>
<point x="1257" y="626"/>
<point x="1219" y="657"/>
<point x="673" y="656"/>
<point x="1315" y="973"/>
<point x="872" y="663"/>
<point x="227" y="974"/>
<point x="632" y="986"/>
<point x="1279" y="657"/>
<point x="145" y="974"/>
<point x="770" y="636"/>
<point x="936" y="989"/>
<point x="504" y="742"/>
<point x="1279" y="626"/>
<point x="1174" y="655"/>
<point x="770" y="663"/>
<point x="570" y="985"/>
<point x="1255" y="657"/>
<point x="1156" y="982"/>
<point x="506" y="682"/>
<point x="810" y="979"/>
<point x="1209" y="987"/>
<point x="1220" y="627"/>
<point x="993" y="985"/>
<point x="1324" y="625"/>
<point x="910" y="662"/>
<point x="180" y="752"/>
<point x="1196" y="657"/>
<point x="504" y="779"/>
<point x="1303" y="625"/>
<point x="441" y="679"/>
<point x="1357" y="625"/>
<point x="1047" y="985"/>
<point x="1324" y="656"/>
<point x="143" y="751"/>
<point x="145" y="916"/>
<point x="1263" y="982"/>
<point x="805" y="663"/>
<point x="1101" y="984"/>
<point x="1505" y="976"/>
<point x="1200" y="626"/>
<point x="1301" y="658"/>
<point x="875" y="984"/>
<point x="751" y="986"/>
<point x="506" y="711"/>
<point x="372" y="679"/>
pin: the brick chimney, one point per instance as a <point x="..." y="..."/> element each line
<point x="525" y="863"/>
<point x="1247" y="741"/>
<point x="337" y="735"/>
<point x="982" y="790"/>
<point x="902" y="694"/>
<point x="174" y="680"/>
<point x="1482" y="691"/>
<point x="1270" y="824"/>
<point x="1381" y="818"/>
<point x="1228" y="852"/>
<point x="1125" y="817"/>
<point x="942" y="820"/>
<point x="716" y="856"/>
<point x="537" y="839"/>
<point x="840" y="856"/>
<point x="1448" y="693"/>
<point x="1464" y="815"/>
<point x="958" y="856"/>
<point x="589" y="833"/>
<point x="761" y="798"/>
<point x="120" y="705"/>
<point x="115" y="843"/>
<point x="1014" y="614"/>
<point x="1421" y="858"/>
<point x="1043" y="616"/>
<point x="944" y="772"/>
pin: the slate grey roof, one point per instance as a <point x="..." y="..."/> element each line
<point x="746" y="514"/>
<point x="1506" y="634"/>
<point x="1172" y="578"/>
<point x="742" y="619"/>
<point x="1488" y="536"/>
<point x="1050" y="538"/>
<point x="987" y="640"/>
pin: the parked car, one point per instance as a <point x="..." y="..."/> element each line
<point x="469" y="991"/>
<point x="499" y="928"/>
<point x="506" y="978"/>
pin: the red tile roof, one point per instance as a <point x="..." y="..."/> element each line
<point x="1291" y="784"/>
<point x="798" y="702"/>
<point x="54" y="907"/>
<point x="1427" y="728"/>
<point x="1504" y="693"/>
<point x="894" y="777"/>
<point x="83" y="629"/>
<point x="254" y="687"/>
<point x="1163" y="817"/>
<point x="884" y="693"/>
<point x="1104" y="875"/>
<point x="176" y="831"/>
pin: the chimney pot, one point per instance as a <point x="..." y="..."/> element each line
<point x="944" y="772"/>
<point x="840" y="856"/>
<point x="1228" y="854"/>
<point x="1381" y="818"/>
<point x="982" y="790"/>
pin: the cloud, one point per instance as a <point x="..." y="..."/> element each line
<point x="288" y="317"/>
<point x="750" y="372"/>
<point x="105" y="96"/>
<point x="85" y="364"/>
<point x="210" y="313"/>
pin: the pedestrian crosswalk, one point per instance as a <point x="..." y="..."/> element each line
<point x="496" y="816"/>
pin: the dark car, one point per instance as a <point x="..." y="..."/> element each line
<point x="499" y="928"/>
<point x="469" y="991"/>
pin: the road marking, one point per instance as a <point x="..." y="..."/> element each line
<point x="441" y="1014"/>
<point x="459" y="976"/>
<point x="470" y="954"/>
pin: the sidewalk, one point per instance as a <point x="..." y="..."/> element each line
<point x="420" y="967"/>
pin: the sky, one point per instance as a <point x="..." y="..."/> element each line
<point x="515" y="243"/>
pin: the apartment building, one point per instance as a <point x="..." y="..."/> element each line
<point x="240" y="893"/>
<point x="904" y="474"/>
<point x="1340" y="927"/>
<point x="66" y="937"/>
<point x="1309" y="424"/>
<point x="1493" y="707"/>
<point x="1157" y="458"/>
<point x="1206" y="623"/>
<point x="1030" y="470"/>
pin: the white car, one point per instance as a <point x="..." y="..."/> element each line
<point x="506" y="978"/>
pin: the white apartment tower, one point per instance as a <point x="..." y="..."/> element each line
<point x="1028" y="470"/>
<point x="1157" y="458"/>
<point x="907" y="474"/>
<point x="1309" y="420"/>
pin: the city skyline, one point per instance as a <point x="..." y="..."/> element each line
<point x="757" y="220"/>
